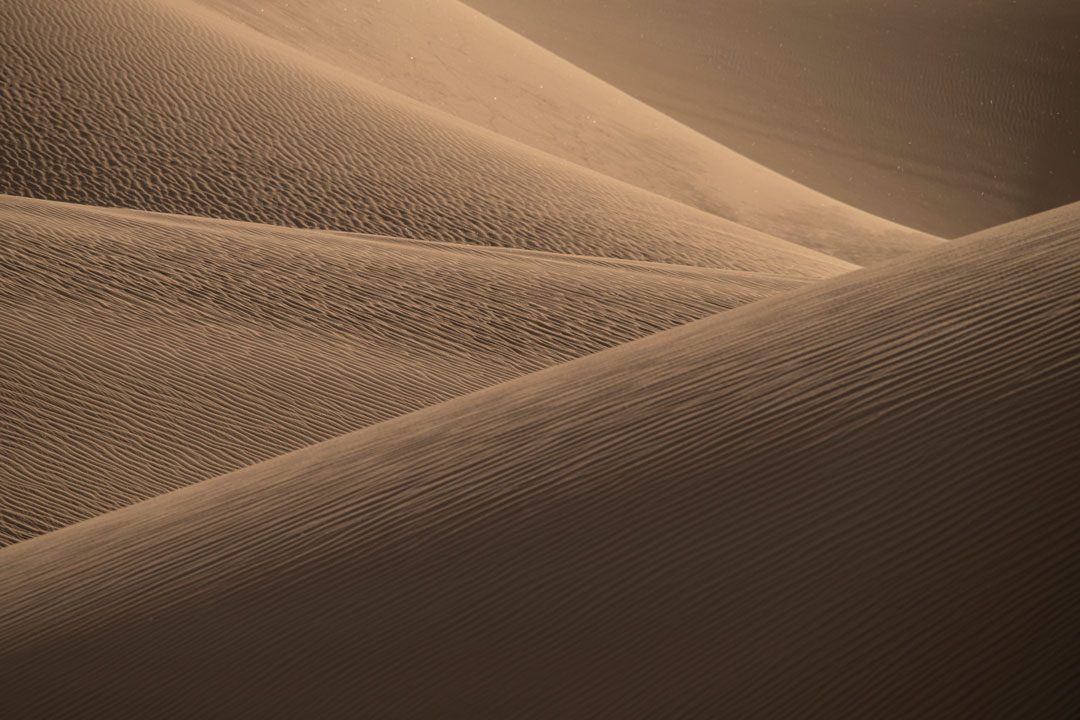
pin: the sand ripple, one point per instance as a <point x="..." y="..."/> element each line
<point x="781" y="511"/>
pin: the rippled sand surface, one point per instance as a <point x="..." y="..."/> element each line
<point x="372" y="359"/>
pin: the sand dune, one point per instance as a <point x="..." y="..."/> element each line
<point x="855" y="500"/>
<point x="449" y="56"/>
<point x="368" y="359"/>
<point x="945" y="116"/>
<point x="143" y="352"/>
<point x="165" y="106"/>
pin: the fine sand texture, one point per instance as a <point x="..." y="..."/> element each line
<point x="451" y="57"/>
<point x="166" y="106"/>
<point x="946" y="116"/>
<point x="143" y="352"/>
<point x="854" y="500"/>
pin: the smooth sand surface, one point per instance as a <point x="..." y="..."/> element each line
<point x="143" y="352"/>
<point x="854" y="500"/>
<point x="163" y="105"/>
<point x="947" y="116"/>
<point x="449" y="56"/>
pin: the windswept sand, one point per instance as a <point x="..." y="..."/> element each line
<point x="855" y="500"/>
<point x="368" y="359"/>
<point x="165" y="106"/>
<point x="451" y="57"/>
<point x="945" y="115"/>
<point x="143" y="352"/>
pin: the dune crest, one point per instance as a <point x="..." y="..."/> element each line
<point x="449" y="56"/>
<point x="203" y="116"/>
<point x="948" y="116"/>
<point x="854" y="500"/>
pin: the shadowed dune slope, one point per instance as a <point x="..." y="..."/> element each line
<point x="856" y="500"/>
<point x="946" y="116"/>
<point x="162" y="105"/>
<point x="142" y="352"/>
<point x="447" y="55"/>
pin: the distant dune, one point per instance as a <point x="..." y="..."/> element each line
<point x="946" y="116"/>
<point x="144" y="352"/>
<point x="451" y="57"/>
<point x="162" y="105"/>
<point x="854" y="500"/>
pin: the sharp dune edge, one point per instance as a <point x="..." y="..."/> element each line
<point x="947" y="116"/>
<point x="144" y="352"/>
<point x="163" y="105"/>
<point x="449" y="56"/>
<point x="855" y="500"/>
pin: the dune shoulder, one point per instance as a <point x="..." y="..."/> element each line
<point x="947" y="117"/>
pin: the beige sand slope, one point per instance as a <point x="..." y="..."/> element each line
<point x="857" y="500"/>
<point x="164" y="106"/>
<point x="449" y="56"/>
<point x="947" y="116"/>
<point x="142" y="352"/>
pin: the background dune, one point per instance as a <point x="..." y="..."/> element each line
<point x="142" y="352"/>
<point x="854" y="500"/>
<point x="449" y="56"/>
<point x="945" y="116"/>
<point x="162" y="105"/>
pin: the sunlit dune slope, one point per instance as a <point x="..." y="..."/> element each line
<point x="855" y="500"/>
<point x="162" y="105"/>
<point x="447" y="55"/>
<point x="142" y="352"/>
<point x="948" y="116"/>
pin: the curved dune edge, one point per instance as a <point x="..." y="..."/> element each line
<point x="452" y="57"/>
<point x="144" y="352"/>
<point x="203" y="116"/>
<point x="949" y="116"/>
<point x="854" y="500"/>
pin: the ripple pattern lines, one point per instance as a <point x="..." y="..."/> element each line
<point x="142" y="352"/>
<point x="854" y="500"/>
<point x="203" y="116"/>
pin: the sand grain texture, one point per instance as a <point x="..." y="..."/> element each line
<point x="855" y="500"/>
